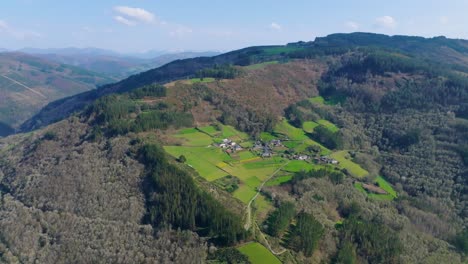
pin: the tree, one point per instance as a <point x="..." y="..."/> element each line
<point x="306" y="234"/>
<point x="279" y="220"/>
<point x="346" y="254"/>
<point x="461" y="241"/>
<point x="182" y="159"/>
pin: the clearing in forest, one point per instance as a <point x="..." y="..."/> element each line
<point x="258" y="254"/>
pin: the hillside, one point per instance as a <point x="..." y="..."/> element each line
<point x="348" y="149"/>
<point x="28" y="83"/>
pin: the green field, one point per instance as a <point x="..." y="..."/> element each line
<point x="199" y="80"/>
<point x="258" y="254"/>
<point x="353" y="168"/>
<point x="358" y="186"/>
<point x="246" y="155"/>
<point x="187" y="131"/>
<point x="233" y="134"/>
<point x="202" y="159"/>
<point x="265" y="136"/>
<point x="317" y="100"/>
<point x="309" y="126"/>
<point x="333" y="100"/>
<point x="210" y="130"/>
<point x="263" y="206"/>
<point x="260" y="65"/>
<point x="292" y="132"/>
<point x="382" y="183"/>
<point x="298" y="165"/>
<point x="212" y="163"/>
<point x="328" y="125"/>
<point x="300" y="141"/>
<point x="279" y="180"/>
<point x="194" y="138"/>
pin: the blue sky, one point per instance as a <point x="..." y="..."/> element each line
<point x="139" y="25"/>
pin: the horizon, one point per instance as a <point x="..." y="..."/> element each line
<point x="174" y="51"/>
<point x="139" y="26"/>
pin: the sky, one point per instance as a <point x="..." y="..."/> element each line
<point x="176" y="25"/>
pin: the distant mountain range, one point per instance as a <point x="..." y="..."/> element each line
<point x="111" y="63"/>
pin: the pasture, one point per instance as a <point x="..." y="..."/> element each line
<point x="298" y="165"/>
<point x="329" y="125"/>
<point x="309" y="126"/>
<point x="258" y="254"/>
<point x="345" y="162"/>
<point x="278" y="180"/>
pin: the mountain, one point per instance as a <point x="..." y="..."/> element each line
<point x="347" y="149"/>
<point x="336" y="43"/>
<point x="71" y="51"/>
<point x="28" y="83"/>
<point x="112" y="64"/>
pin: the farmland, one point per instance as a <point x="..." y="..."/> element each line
<point x="257" y="253"/>
<point x="212" y="163"/>
<point x="353" y="168"/>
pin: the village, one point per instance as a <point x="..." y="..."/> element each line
<point x="275" y="147"/>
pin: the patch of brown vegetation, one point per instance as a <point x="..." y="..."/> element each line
<point x="273" y="88"/>
<point x="373" y="189"/>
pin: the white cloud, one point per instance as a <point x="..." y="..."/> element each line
<point x="352" y="25"/>
<point x="387" y="22"/>
<point x="276" y="26"/>
<point x="124" y="21"/>
<point x="135" y="14"/>
<point x="16" y="33"/>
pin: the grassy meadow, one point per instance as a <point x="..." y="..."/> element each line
<point x="258" y="254"/>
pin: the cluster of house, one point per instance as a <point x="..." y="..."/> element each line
<point x="300" y="157"/>
<point x="230" y="146"/>
<point x="327" y="160"/>
<point x="267" y="148"/>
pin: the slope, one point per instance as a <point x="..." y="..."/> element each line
<point x="27" y="83"/>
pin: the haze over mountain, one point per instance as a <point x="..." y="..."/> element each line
<point x="113" y="64"/>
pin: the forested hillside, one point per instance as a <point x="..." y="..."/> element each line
<point x="28" y="83"/>
<point x="349" y="149"/>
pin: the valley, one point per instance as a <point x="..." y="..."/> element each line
<point x="332" y="151"/>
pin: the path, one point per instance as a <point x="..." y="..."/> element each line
<point x="249" y="209"/>
<point x="29" y="88"/>
<point x="268" y="244"/>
